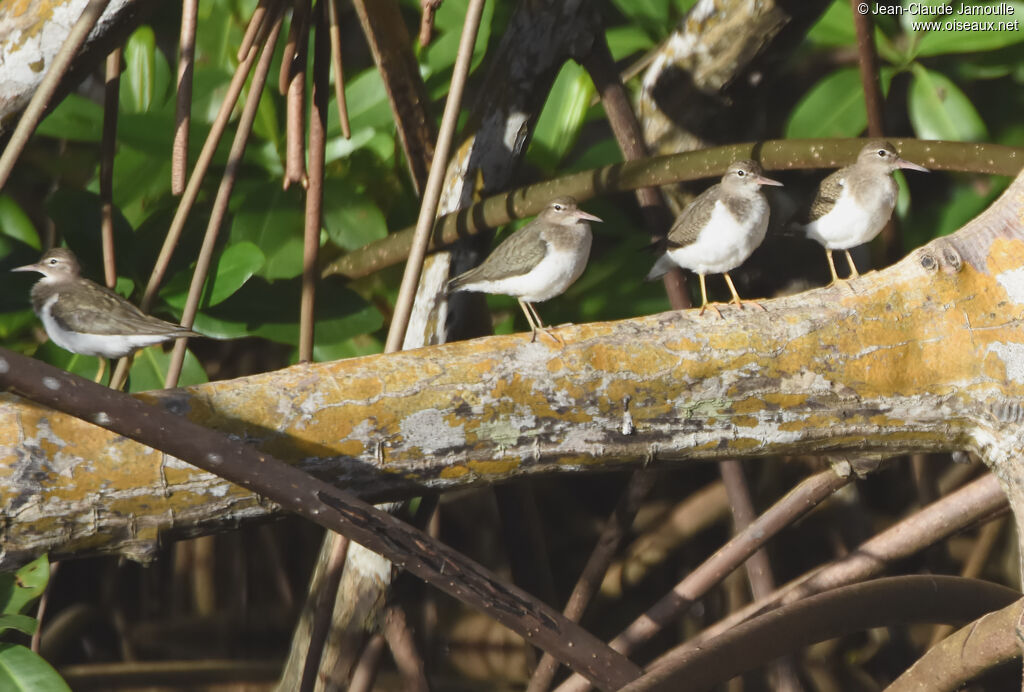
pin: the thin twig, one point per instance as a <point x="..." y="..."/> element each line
<point x="183" y="108"/>
<point x="315" y="189"/>
<point x="403" y="650"/>
<point x="191" y="193"/>
<point x="220" y="204"/>
<point x="429" y="9"/>
<point x="254" y="27"/>
<point x="978" y="500"/>
<point x="602" y="70"/>
<point x="795" y="504"/>
<point x="365" y="673"/>
<point x="111" y="97"/>
<point x="339" y="72"/>
<point x="867" y="62"/>
<point x="324" y="612"/>
<point x="615" y="530"/>
<point x="758" y="565"/>
<point x="435" y="179"/>
<point x="293" y="84"/>
<point x="44" y="600"/>
<point x="48" y="87"/>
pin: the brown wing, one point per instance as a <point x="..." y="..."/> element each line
<point x="98" y="310"/>
<point x="828" y="194"/>
<point x="693" y="218"/>
<point x="516" y="255"/>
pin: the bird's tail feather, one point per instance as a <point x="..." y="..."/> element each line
<point x="660" y="268"/>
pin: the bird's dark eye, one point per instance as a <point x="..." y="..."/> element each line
<point x="557" y="207"/>
<point x="883" y="153"/>
<point x="53" y="261"/>
<point x="741" y="173"/>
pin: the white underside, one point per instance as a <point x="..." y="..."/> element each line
<point x="105" y="346"/>
<point x="849" y="224"/>
<point x="726" y="244"/>
<point x="552" y="275"/>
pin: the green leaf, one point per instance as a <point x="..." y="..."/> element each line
<point x="19" y="589"/>
<point x="270" y="310"/>
<point x="229" y="272"/>
<point x="22" y="623"/>
<point x="139" y="76"/>
<point x="149" y="370"/>
<point x="367" y="101"/>
<point x="834" y="107"/>
<point x="14" y="223"/>
<point x="351" y="218"/>
<point x="626" y="40"/>
<point x="76" y="118"/>
<point x="967" y="33"/>
<point x="337" y="147"/>
<point x="647" y="12"/>
<point x="835" y="27"/>
<point x="23" y="670"/>
<point x="562" y="117"/>
<point x="939" y="110"/>
<point x="272" y="219"/>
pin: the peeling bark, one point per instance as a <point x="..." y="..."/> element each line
<point x="697" y="90"/>
<point x="31" y="33"/>
<point x="923" y="356"/>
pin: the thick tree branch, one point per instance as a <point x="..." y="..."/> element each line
<point x="333" y="508"/>
<point x="923" y="356"/>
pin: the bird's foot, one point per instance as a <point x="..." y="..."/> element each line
<point x="713" y="307"/>
<point x="740" y="304"/>
<point x="845" y="283"/>
<point x="549" y="334"/>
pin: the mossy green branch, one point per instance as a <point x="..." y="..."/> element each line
<point x="664" y="170"/>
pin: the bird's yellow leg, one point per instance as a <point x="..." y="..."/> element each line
<point x="103" y="369"/>
<point x="853" y="267"/>
<point x="736" y="296"/>
<point x="831" y="265"/>
<point x="704" y="299"/>
<point x="535" y="324"/>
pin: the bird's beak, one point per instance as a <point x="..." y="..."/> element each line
<point x="766" y="181"/>
<point x="903" y="163"/>
<point x="27" y="268"/>
<point x="584" y="216"/>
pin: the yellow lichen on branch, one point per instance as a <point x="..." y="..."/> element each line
<point x="922" y="356"/>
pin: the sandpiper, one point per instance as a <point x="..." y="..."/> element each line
<point x="537" y="262"/>
<point x="83" y="317"/>
<point x="720" y="229"/>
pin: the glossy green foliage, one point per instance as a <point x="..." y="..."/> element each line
<point x="21" y="669"/>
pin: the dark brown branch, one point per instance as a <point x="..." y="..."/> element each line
<point x="943" y="518"/>
<point x="330" y="507"/>
<point x="985" y="643"/>
<point x="879" y="603"/>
